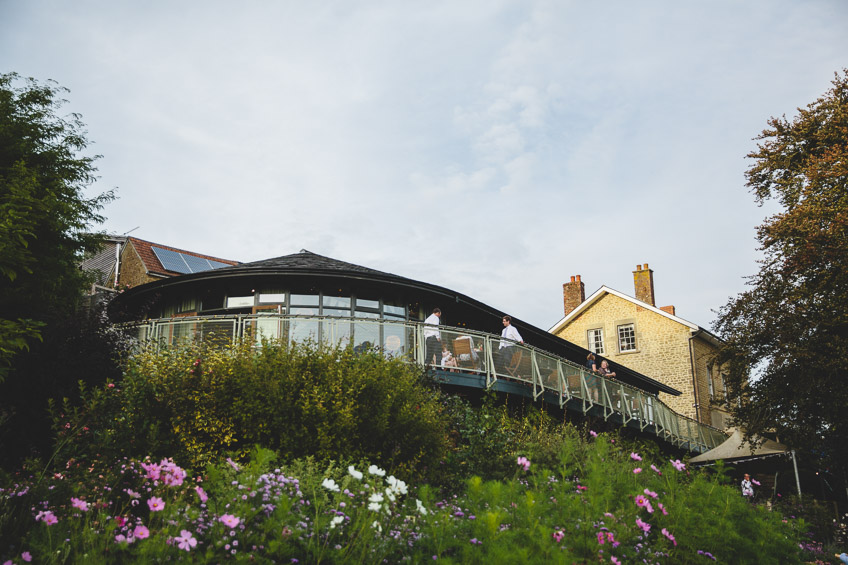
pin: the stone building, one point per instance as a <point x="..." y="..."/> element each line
<point x="635" y="333"/>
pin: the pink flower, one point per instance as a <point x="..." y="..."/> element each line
<point x="644" y="525"/>
<point x="141" y="532"/>
<point x="558" y="535"/>
<point x="637" y="470"/>
<point x="232" y="464"/>
<point x="523" y="462"/>
<point x="755" y="481"/>
<point x="667" y="534"/>
<point x="664" y="511"/>
<point x="635" y="457"/>
<point x="152" y="469"/>
<point x="229" y="520"/>
<point x="601" y="538"/>
<point x="186" y="541"/>
<point x="79" y="504"/>
<point x="172" y="475"/>
<point x="650" y="493"/>
<point x="156" y="504"/>
<point x="201" y="494"/>
<point x="111" y="385"/>
<point x="26" y="556"/>
<point x="593" y="433"/>
<point x="678" y="465"/>
<point x="654" y="467"/>
<point x="641" y="501"/>
<point x="614" y="560"/>
<point x="47" y="517"/>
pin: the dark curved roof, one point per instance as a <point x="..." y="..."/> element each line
<point x="306" y="263"/>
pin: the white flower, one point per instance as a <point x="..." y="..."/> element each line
<point x="420" y="507"/>
<point x="375" y="506"/>
<point x="390" y="495"/>
<point x="330" y="484"/>
<point x="376" y="525"/>
<point x="336" y="521"/>
<point x="398" y="486"/>
<point x="374" y="470"/>
<point x="376" y="497"/>
<point x="354" y="473"/>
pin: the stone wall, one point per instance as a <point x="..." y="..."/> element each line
<point x="662" y="347"/>
<point x="133" y="271"/>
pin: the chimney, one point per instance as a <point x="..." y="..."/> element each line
<point x="643" y="280"/>
<point x="573" y="294"/>
<point x="668" y="310"/>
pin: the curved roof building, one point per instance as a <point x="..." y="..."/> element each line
<point x="311" y="285"/>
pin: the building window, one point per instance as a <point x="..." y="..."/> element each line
<point x="710" y="380"/>
<point x="595" y="338"/>
<point x="626" y="338"/>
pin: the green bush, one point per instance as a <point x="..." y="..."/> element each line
<point x="196" y="403"/>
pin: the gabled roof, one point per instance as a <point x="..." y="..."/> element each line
<point x="605" y="290"/>
<point x="152" y="263"/>
<point x="102" y="262"/>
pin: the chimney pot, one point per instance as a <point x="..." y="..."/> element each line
<point x="578" y="278"/>
<point x="639" y="267"/>
<point x="643" y="281"/>
<point x="572" y="278"/>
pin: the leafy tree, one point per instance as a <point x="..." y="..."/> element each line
<point x="789" y="331"/>
<point x="44" y="214"/>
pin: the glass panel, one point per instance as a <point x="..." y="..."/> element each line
<point x="360" y="303"/>
<point x="239" y="301"/>
<point x="394" y="340"/>
<point x="395" y="318"/>
<point x="303" y="330"/>
<point x="272" y="298"/>
<point x="395" y="310"/>
<point x="336" y="332"/>
<point x="336" y="313"/>
<point x="337" y="301"/>
<point x="360" y="314"/>
<point x="366" y="334"/>
<point x="267" y="328"/>
<point x="304" y="299"/>
<point x="304" y="311"/>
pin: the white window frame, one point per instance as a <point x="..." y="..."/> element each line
<point x="626" y="340"/>
<point x="594" y="337"/>
<point x="710" y="380"/>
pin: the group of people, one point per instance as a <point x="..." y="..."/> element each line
<point x="602" y="370"/>
<point x="438" y="353"/>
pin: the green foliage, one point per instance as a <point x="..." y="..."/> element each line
<point x="791" y="327"/>
<point x="588" y="508"/>
<point x="197" y="402"/>
<point x="43" y="212"/>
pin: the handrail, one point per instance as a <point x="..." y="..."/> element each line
<point x="492" y="357"/>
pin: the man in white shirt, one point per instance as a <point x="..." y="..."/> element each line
<point x="507" y="348"/>
<point x="432" y="338"/>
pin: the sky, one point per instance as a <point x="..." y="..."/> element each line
<point x="492" y="147"/>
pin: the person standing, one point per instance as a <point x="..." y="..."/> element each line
<point x="747" y="488"/>
<point x="432" y="337"/>
<point x="506" y="348"/>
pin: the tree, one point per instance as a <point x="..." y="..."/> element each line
<point x="789" y="331"/>
<point x="44" y="214"/>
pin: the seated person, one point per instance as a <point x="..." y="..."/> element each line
<point x="447" y="357"/>
<point x="605" y="370"/>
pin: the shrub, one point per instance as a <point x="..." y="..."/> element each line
<point x="196" y="403"/>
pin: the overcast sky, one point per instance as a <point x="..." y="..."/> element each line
<point x="492" y="147"/>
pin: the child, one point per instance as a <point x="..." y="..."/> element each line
<point x="447" y="358"/>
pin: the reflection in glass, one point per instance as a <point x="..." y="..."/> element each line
<point x="272" y="298"/>
<point x="239" y="301"/>
<point x="360" y="314"/>
<point x="336" y="332"/>
<point x="394" y="340"/>
<point x="337" y="301"/>
<point x="304" y="299"/>
<point x="336" y="313"/>
<point x="366" y="334"/>
<point x="361" y="303"/>
<point x="394" y="310"/>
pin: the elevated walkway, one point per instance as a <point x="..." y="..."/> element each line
<point x="480" y="360"/>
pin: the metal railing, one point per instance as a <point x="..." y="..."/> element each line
<point x="496" y="359"/>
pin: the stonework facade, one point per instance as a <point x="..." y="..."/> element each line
<point x="654" y="342"/>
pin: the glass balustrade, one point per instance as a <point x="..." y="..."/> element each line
<point x="500" y="361"/>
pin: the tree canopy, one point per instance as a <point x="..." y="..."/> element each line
<point x="44" y="213"/>
<point x="787" y="336"/>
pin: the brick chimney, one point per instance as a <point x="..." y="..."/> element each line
<point x="668" y="310"/>
<point x="573" y="294"/>
<point x="643" y="280"/>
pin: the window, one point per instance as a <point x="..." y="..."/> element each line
<point x="595" y="339"/>
<point x="626" y="338"/>
<point x="710" y="380"/>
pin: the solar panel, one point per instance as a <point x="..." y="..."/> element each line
<point x="171" y="260"/>
<point x="196" y="264"/>
<point x="185" y="263"/>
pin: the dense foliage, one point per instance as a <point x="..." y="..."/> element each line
<point x="598" y="503"/>
<point x="789" y="331"/>
<point x="44" y="214"/>
<point x="198" y="402"/>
